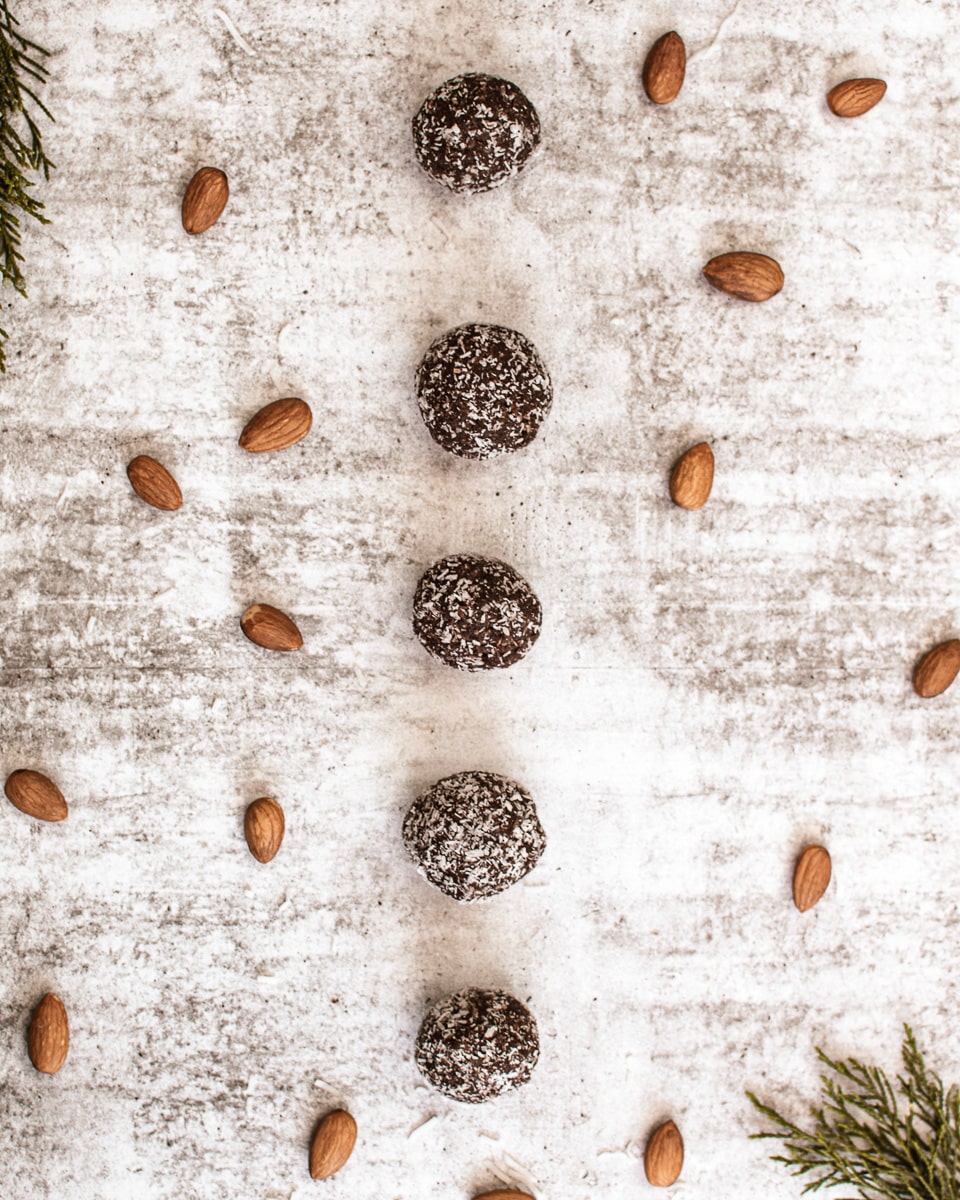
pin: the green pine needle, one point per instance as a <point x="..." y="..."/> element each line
<point x="861" y="1138"/>
<point x="21" y="148"/>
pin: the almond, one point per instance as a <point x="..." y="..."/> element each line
<point x="277" y="426"/>
<point x="36" y="795"/>
<point x="692" y="477"/>
<point x="270" y="628"/>
<point x="153" y="483"/>
<point x="663" y="1157"/>
<point x="204" y="200"/>
<point x="48" y="1037"/>
<point x="746" y="275"/>
<point x="332" y="1144"/>
<point x="504" y="1194"/>
<point x="937" y="669"/>
<point x="263" y="827"/>
<point x="854" y="97"/>
<point x="664" y="69"/>
<point x="811" y="876"/>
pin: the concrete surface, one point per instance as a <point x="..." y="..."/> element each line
<point x="711" y="690"/>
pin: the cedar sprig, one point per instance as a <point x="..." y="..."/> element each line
<point x="861" y="1138"/>
<point x="21" y="146"/>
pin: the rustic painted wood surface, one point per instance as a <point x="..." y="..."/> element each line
<point x="711" y="690"/>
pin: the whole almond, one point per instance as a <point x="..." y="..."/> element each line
<point x="36" y="795"/>
<point x="204" y="200"/>
<point x="277" y="426"/>
<point x="692" y="477"/>
<point x="854" y="97"/>
<point x="332" y="1144"/>
<point x="663" y="1157"/>
<point x="263" y="827"/>
<point x="153" y="483"/>
<point x="48" y="1037"/>
<point x="504" y="1194"/>
<point x="811" y="876"/>
<point x="270" y="628"/>
<point x="664" y="68"/>
<point x="937" y="669"/>
<point x="744" y="274"/>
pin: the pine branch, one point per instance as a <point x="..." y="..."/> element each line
<point x="21" y="149"/>
<point x="861" y="1138"/>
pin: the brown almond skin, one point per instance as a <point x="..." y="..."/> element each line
<point x="937" y="669"/>
<point x="277" y="426"/>
<point x="665" y="68"/>
<point x="811" y="876"/>
<point x="503" y="1194"/>
<point x="48" y="1037"/>
<point x="270" y="628"/>
<point x="263" y="827"/>
<point x="204" y="200"/>
<point x="692" y="477"/>
<point x="663" y="1157"/>
<point x="744" y="274"/>
<point x="332" y="1144"/>
<point x="854" y="97"/>
<point x="36" y="795"/>
<point x="153" y="483"/>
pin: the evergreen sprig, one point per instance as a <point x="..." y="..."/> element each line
<point x="21" y="147"/>
<point x="861" y="1138"/>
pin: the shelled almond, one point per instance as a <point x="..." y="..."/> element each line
<point x="154" y="484"/>
<point x="332" y="1144"/>
<point x="263" y="827"/>
<point x="36" y="795"/>
<point x="854" y="97"/>
<point x="811" y="876"/>
<point x="277" y="426"/>
<point x="937" y="669"/>
<point x="745" y="274"/>
<point x="270" y="628"/>
<point x="664" y="69"/>
<point x="663" y="1157"/>
<point x="48" y="1037"/>
<point x="691" y="479"/>
<point x="204" y="200"/>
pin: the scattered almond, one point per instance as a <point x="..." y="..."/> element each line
<point x="854" y="97"/>
<point x="663" y="1157"/>
<point x="937" y="669"/>
<point x="811" y="876"/>
<point x="263" y="827"/>
<point x="692" y="477"/>
<point x="270" y="628"/>
<point x="746" y="275"/>
<point x="48" y="1037"/>
<point x="204" y="200"/>
<point x="36" y="795"/>
<point x="664" y="69"/>
<point x="277" y="426"/>
<point x="504" y="1194"/>
<point x="153" y="483"/>
<point x="332" y="1144"/>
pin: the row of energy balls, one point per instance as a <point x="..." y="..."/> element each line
<point x="482" y="390"/>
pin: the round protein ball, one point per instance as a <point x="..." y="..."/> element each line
<point x="474" y="132"/>
<point x="483" y="390"/>
<point x="476" y="1044"/>
<point x="475" y="613"/>
<point x="474" y="834"/>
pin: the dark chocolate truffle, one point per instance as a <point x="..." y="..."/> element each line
<point x="474" y="834"/>
<point x="483" y="390"/>
<point x="475" y="613"/>
<point x="474" y="132"/>
<point x="476" y="1044"/>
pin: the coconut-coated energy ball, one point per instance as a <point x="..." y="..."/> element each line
<point x="474" y="132"/>
<point x="477" y="1044"/>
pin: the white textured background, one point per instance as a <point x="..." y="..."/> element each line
<point x="711" y="689"/>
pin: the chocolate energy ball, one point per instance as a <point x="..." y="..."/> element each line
<point x="475" y="613"/>
<point x="483" y="390"/>
<point x="474" y="834"/>
<point x="476" y="1044"/>
<point x="474" y="132"/>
